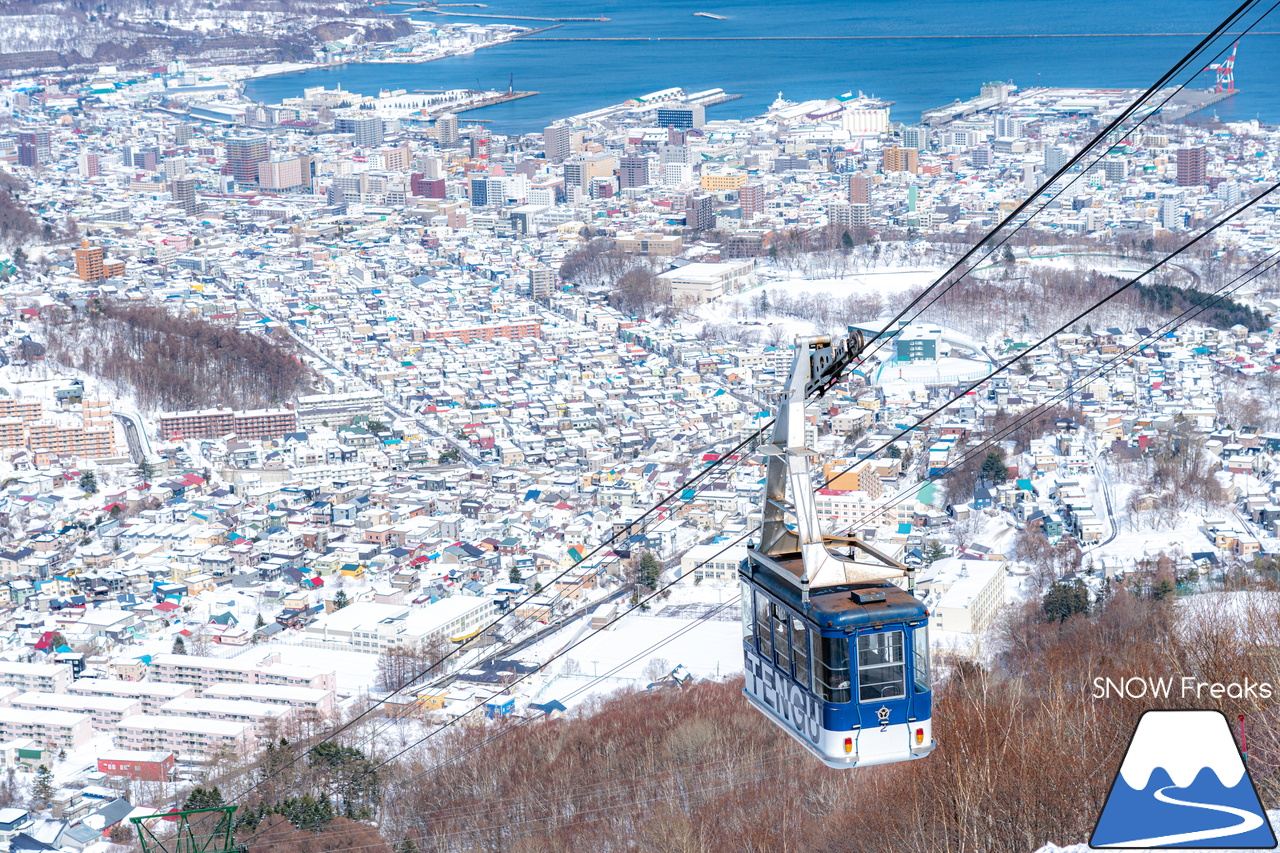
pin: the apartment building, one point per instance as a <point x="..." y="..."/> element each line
<point x="300" y="698"/>
<point x="201" y="672"/>
<point x="265" y="717"/>
<point x="104" y="711"/>
<point x="339" y="409"/>
<point x="35" y="677"/>
<point x="53" y="729"/>
<point x="192" y="739"/>
<point x="486" y="332"/>
<point x="150" y="694"/>
<point x="254" y="425"/>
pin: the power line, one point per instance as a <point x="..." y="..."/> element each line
<point x="1074" y="320"/>
<point x="706" y="471"/>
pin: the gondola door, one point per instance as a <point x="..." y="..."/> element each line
<point x="884" y="703"/>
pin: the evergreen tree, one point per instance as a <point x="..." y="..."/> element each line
<point x="1065" y="599"/>
<point x="933" y="551"/>
<point x="88" y="482"/>
<point x="179" y="646"/>
<point x="259" y="622"/>
<point x="42" y="788"/>
<point x="514" y="575"/>
<point x="341" y="600"/>
<point x="203" y="798"/>
<point x="650" y="571"/>
<point x="993" y="467"/>
<point x="146" y="470"/>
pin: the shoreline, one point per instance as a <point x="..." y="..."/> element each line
<point x="303" y="67"/>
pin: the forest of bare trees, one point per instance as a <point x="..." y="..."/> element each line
<point x="1026" y="753"/>
<point x="17" y="225"/>
<point x="168" y="362"/>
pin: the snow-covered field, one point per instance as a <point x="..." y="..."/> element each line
<point x="886" y="282"/>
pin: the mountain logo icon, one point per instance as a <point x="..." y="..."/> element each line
<point x="1183" y="784"/>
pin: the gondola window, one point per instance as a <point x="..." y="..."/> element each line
<point x="881" y="671"/>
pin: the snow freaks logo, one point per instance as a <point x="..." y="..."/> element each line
<point x="1183" y="784"/>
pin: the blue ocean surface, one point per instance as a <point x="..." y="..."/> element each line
<point x="1131" y="815"/>
<point x="904" y="63"/>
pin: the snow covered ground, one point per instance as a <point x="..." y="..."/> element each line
<point x="885" y="282"/>
<point x="631" y="651"/>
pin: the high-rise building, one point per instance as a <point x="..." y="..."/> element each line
<point x="675" y="153"/>
<point x="496" y="191"/>
<point x="480" y="191"/>
<point x="91" y="265"/>
<point x="579" y="171"/>
<point x="1116" y="169"/>
<point x="38" y="145"/>
<point x="280" y="174"/>
<point x="184" y="192"/>
<point x="368" y="131"/>
<point x="89" y="262"/>
<point x="447" y="128"/>
<point x="633" y="171"/>
<point x="858" y="188"/>
<point x="1055" y="157"/>
<point x="420" y="185"/>
<point x="700" y="213"/>
<point x="560" y="141"/>
<point x="244" y="153"/>
<point x="849" y="214"/>
<point x="751" y="199"/>
<point x="1008" y="126"/>
<point x="682" y="116"/>
<point x="89" y="164"/>
<point x="182" y="134"/>
<point x="982" y="158"/>
<point x="1191" y="166"/>
<point x="915" y="137"/>
<point x="541" y="280"/>
<point x="1169" y="212"/>
<point x="897" y="159"/>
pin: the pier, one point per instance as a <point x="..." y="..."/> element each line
<point x="1189" y="102"/>
<point x="501" y="98"/>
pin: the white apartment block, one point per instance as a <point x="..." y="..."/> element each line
<point x="105" y="711"/>
<point x="367" y="625"/>
<point x="41" y="677"/>
<point x="971" y="602"/>
<point x="841" y="508"/>
<point x="191" y="739"/>
<point x="52" y="729"/>
<point x="713" y="561"/>
<point x="261" y="715"/>
<point x="302" y="698"/>
<point x="202" y="672"/>
<point x="151" y="694"/>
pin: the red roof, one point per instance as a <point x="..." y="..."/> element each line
<point x="166" y="607"/>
